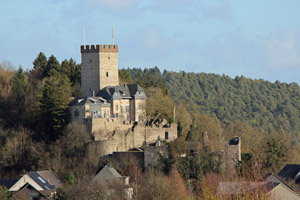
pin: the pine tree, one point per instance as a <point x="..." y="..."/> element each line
<point x="54" y="99"/>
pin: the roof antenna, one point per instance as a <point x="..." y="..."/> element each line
<point x="113" y="36"/>
<point x="84" y="36"/>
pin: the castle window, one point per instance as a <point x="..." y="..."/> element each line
<point x="106" y="74"/>
<point x="76" y="113"/>
<point x="166" y="135"/>
<point x="108" y="57"/>
<point x="140" y="107"/>
<point x="140" y="119"/>
<point x="127" y="108"/>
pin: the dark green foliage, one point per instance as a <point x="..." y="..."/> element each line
<point x="4" y="193"/>
<point x="275" y="153"/>
<point x="125" y="77"/>
<point x="70" y="179"/>
<point x="54" y="99"/>
<point x="60" y="194"/>
<point x="20" y="89"/>
<point x="40" y="64"/>
<point x="269" y="106"/>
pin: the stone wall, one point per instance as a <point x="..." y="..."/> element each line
<point x="152" y="155"/>
<point x="233" y="154"/>
<point x="99" y="68"/>
<point x="123" y="137"/>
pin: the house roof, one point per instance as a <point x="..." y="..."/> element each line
<point x="277" y="179"/>
<point x="25" y="191"/>
<point x="8" y="183"/>
<point x="80" y="101"/>
<point x="41" y="181"/>
<point x="109" y="93"/>
<point x="51" y="178"/>
<point x="108" y="173"/>
<point x="290" y="171"/>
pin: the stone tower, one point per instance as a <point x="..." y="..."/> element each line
<point x="99" y="68"/>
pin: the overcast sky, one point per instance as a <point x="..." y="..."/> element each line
<point x="257" y="38"/>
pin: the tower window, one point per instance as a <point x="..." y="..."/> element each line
<point x="106" y="74"/>
<point x="166" y="135"/>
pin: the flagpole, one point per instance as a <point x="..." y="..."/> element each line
<point x="113" y="36"/>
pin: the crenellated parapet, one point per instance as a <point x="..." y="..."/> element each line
<point x="98" y="48"/>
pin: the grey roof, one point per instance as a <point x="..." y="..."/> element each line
<point x="104" y="96"/>
<point x="8" y="183"/>
<point x="41" y="181"/>
<point x="125" y="91"/>
<point x="237" y="188"/>
<point x="51" y="178"/>
<point x="290" y="171"/>
<point x="80" y="101"/>
<point x="108" y="173"/>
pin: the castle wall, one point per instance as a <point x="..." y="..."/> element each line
<point x="77" y="114"/>
<point x="109" y="72"/>
<point x="152" y="155"/>
<point x="139" y="109"/>
<point x="99" y="68"/>
<point x="90" y="74"/>
<point x="120" y="137"/>
<point x="233" y="154"/>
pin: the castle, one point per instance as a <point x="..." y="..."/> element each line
<point x="114" y="114"/>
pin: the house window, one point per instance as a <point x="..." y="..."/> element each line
<point x="117" y="107"/>
<point x="106" y="74"/>
<point x="122" y="109"/>
<point x="127" y="108"/>
<point x="166" y="135"/>
<point x="140" y="107"/>
<point x="76" y="113"/>
<point x="127" y="118"/>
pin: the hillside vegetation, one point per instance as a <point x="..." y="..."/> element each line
<point x="271" y="107"/>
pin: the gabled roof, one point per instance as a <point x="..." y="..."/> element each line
<point x="8" y="183"/>
<point x="108" y="173"/>
<point x="51" y="178"/>
<point x="41" y="181"/>
<point x="290" y="171"/>
<point x="126" y="91"/>
<point x="26" y="190"/>
<point x="80" y="101"/>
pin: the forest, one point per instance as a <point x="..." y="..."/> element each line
<point x="35" y="132"/>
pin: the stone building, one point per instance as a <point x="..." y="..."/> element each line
<point x="113" y="113"/>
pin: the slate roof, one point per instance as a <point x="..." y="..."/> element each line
<point x="51" y="178"/>
<point x="126" y="91"/>
<point x="290" y="171"/>
<point x="41" y="181"/>
<point x="8" y="183"/>
<point x="108" y="173"/>
<point x="104" y="96"/>
<point x="89" y="100"/>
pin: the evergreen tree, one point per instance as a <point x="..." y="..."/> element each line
<point x="54" y="99"/>
<point x="20" y="88"/>
<point x="40" y="64"/>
